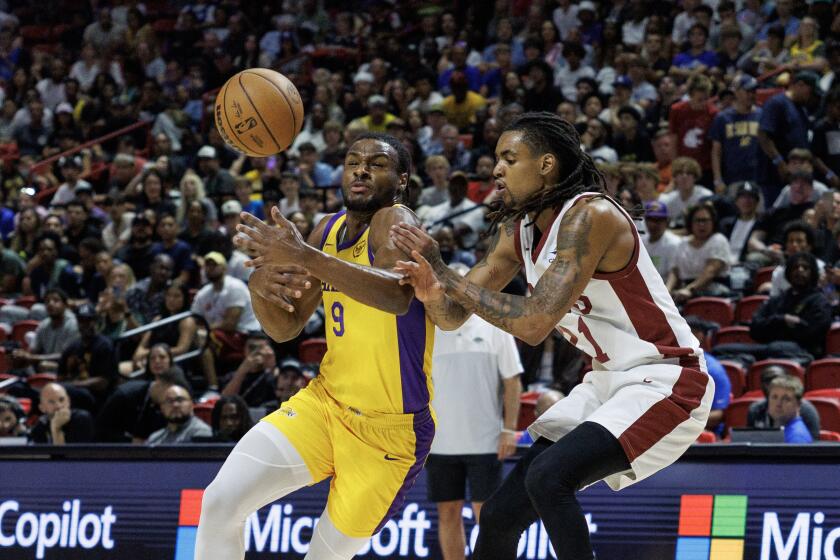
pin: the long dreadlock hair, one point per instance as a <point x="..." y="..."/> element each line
<point x="548" y="133"/>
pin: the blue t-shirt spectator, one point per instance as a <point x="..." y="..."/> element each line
<point x="791" y="28"/>
<point x="688" y="61"/>
<point x="797" y="432"/>
<point x="723" y="387"/>
<point x="738" y="136"/>
<point x="787" y="125"/>
<point x="471" y="72"/>
<point x="255" y="207"/>
<point x="181" y="254"/>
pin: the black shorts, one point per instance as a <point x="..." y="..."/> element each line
<point x="447" y="477"/>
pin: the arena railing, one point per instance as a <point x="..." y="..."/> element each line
<point x="163" y="322"/>
<point x="43" y="165"/>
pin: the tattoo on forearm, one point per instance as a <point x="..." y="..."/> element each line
<point x="553" y="294"/>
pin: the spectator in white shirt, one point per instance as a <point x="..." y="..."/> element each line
<point x="686" y="193"/>
<point x="661" y="243"/>
<point x="467" y="217"/>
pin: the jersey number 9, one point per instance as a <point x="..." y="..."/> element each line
<point x="337" y="311"/>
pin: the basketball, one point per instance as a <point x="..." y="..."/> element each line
<point x="259" y="112"/>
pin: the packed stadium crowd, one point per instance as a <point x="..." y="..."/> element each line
<point x="716" y="124"/>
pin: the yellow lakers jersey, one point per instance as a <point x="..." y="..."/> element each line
<point x="375" y="360"/>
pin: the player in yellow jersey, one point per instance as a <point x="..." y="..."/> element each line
<point x="365" y="421"/>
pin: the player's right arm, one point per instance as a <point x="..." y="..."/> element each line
<point x="285" y="296"/>
<point x="495" y="271"/>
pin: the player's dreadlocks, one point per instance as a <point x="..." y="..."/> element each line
<point x="548" y="133"/>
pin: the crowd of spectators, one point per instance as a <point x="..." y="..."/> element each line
<point x="716" y="124"/>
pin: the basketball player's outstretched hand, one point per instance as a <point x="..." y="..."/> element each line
<point x="420" y="276"/>
<point x="280" y="244"/>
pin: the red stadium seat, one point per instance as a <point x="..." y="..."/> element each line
<point x="466" y="140"/>
<point x="828" y="393"/>
<point x="728" y="335"/>
<point x="735" y="415"/>
<point x="737" y="377"/>
<point x="746" y="308"/>
<point x="706" y="437"/>
<point x="763" y="276"/>
<point x="25" y="404"/>
<point x="754" y="375"/>
<point x="26" y="301"/>
<point x="204" y="411"/>
<point x="20" y="329"/>
<point x="828" y="435"/>
<point x="312" y="351"/>
<point x="527" y="409"/>
<point x="714" y="309"/>
<point x="832" y="340"/>
<point x="829" y="410"/>
<point x="754" y="394"/>
<point x="823" y="374"/>
<point x="38" y="380"/>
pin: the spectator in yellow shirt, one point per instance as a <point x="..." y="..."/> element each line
<point x="378" y="116"/>
<point x="461" y="106"/>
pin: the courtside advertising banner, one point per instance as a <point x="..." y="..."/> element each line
<point x="149" y="510"/>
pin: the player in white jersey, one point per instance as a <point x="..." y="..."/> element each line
<point x="648" y="396"/>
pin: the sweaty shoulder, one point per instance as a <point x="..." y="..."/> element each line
<point x="380" y="224"/>
<point x="317" y="232"/>
<point x="609" y="231"/>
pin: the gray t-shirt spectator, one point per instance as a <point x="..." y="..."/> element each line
<point x="194" y="427"/>
<point x="54" y="340"/>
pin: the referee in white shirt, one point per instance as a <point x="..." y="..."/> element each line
<point x="476" y="371"/>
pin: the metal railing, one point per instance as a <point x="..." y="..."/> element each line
<point x="163" y="322"/>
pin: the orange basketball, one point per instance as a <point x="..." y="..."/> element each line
<point x="259" y="112"/>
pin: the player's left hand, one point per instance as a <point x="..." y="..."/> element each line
<point x="278" y="244"/>
<point x="507" y="445"/>
<point x="410" y="238"/>
<point x="427" y="287"/>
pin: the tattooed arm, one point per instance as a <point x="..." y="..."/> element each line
<point x="498" y="267"/>
<point x="581" y="251"/>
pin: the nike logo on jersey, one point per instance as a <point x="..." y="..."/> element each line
<point x="647" y="380"/>
<point x="390" y="458"/>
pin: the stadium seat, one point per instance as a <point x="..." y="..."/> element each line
<point x="737" y="377"/>
<point x="466" y="140"/>
<point x="827" y="393"/>
<point x="754" y="375"/>
<point x="20" y="329"/>
<point x="312" y="351"/>
<point x="746" y="308"/>
<point x="829" y="410"/>
<point x="25" y="404"/>
<point x="823" y="374"/>
<point x="38" y="380"/>
<point x="26" y="301"/>
<point x="5" y="360"/>
<point x="728" y="335"/>
<point x="735" y="415"/>
<point x="527" y="409"/>
<point x="706" y="437"/>
<point x="754" y="394"/>
<point x="832" y="340"/>
<point x="204" y="411"/>
<point x="828" y="435"/>
<point x="763" y="276"/>
<point x="718" y="310"/>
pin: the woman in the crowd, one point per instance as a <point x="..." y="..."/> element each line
<point x="702" y="259"/>
<point x="179" y="335"/>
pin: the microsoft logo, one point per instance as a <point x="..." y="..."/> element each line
<point x="711" y="527"/>
<point x="188" y="516"/>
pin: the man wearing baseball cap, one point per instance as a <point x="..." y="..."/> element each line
<point x="734" y="135"/>
<point x="739" y="228"/>
<point x="71" y="169"/>
<point x="783" y="126"/>
<point x="660" y="242"/>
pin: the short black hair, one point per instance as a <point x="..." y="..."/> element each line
<point x="692" y="211"/>
<point x="403" y="157"/>
<point x="48" y="235"/>
<point x="78" y="203"/>
<point x="799" y="225"/>
<point x="58" y="292"/>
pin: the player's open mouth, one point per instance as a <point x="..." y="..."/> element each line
<point x="500" y="185"/>
<point x="359" y="188"/>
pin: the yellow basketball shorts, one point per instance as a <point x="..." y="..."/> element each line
<point x="373" y="458"/>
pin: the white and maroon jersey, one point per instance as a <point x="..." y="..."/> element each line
<point x="622" y="319"/>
